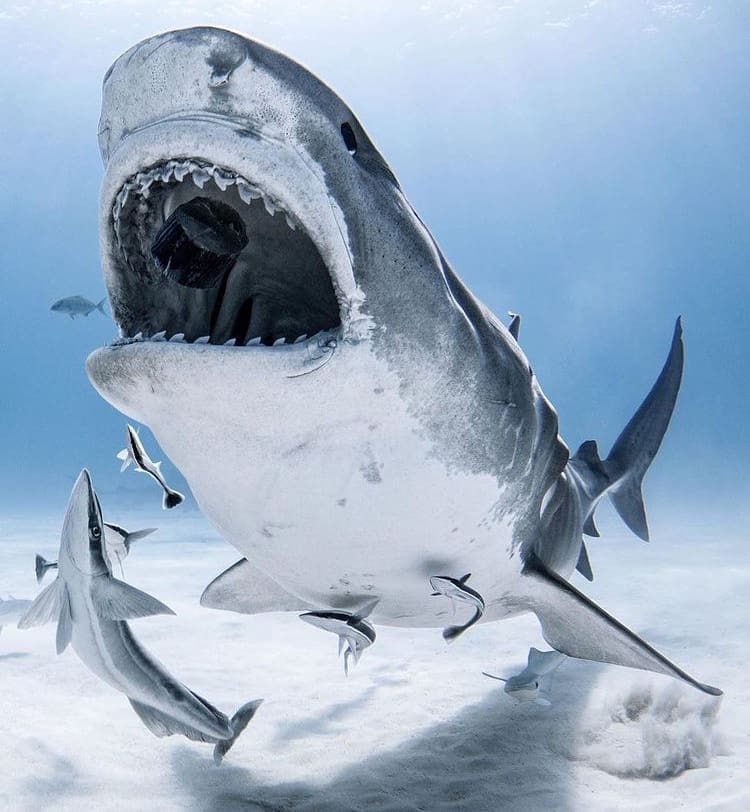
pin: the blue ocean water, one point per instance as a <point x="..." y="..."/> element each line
<point x="583" y="163"/>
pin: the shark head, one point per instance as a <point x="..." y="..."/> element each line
<point x="83" y="530"/>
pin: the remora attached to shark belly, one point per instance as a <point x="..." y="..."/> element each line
<point x="346" y="412"/>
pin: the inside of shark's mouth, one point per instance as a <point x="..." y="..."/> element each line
<point x="202" y="254"/>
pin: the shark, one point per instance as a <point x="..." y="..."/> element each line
<point x="346" y="411"/>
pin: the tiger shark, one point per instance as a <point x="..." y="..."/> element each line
<point x="347" y="413"/>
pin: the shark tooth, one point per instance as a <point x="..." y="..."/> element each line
<point x="279" y="341"/>
<point x="230" y="343"/>
<point x="301" y="338"/>
<point x="202" y="340"/>
<point x="179" y="337"/>
<point x="160" y="336"/>
<point x="246" y="192"/>
<point x="254" y="342"/>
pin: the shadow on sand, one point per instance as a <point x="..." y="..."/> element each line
<point x="493" y="755"/>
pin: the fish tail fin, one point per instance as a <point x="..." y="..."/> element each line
<point x="620" y="476"/>
<point x="41" y="565"/>
<point x="574" y="625"/>
<point x="100" y="306"/>
<point x="238" y="722"/>
<point x="172" y="499"/>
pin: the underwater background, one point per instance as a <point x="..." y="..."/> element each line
<point x="586" y="164"/>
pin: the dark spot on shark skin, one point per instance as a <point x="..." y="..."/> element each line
<point x="345" y="582"/>
<point x="371" y="473"/>
<point x="341" y="502"/>
<point x="266" y="532"/>
<point x="378" y="390"/>
<point x="436" y="566"/>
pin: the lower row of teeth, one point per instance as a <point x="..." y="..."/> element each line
<point x="179" y="338"/>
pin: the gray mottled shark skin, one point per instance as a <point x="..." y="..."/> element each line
<point x="350" y="451"/>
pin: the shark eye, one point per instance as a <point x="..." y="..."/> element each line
<point x="347" y="134"/>
<point x="95" y="532"/>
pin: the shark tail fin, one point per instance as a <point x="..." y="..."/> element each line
<point x="239" y="722"/>
<point x="620" y="476"/>
<point x="574" y="625"/>
<point x="100" y="306"/>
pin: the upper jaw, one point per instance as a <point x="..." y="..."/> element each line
<point x="295" y="277"/>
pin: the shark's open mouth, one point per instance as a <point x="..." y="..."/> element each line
<point x="272" y="288"/>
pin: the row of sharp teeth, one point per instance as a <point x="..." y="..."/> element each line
<point x="200" y="173"/>
<point x="322" y="337"/>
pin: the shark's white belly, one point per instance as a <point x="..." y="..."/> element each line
<point x="340" y="499"/>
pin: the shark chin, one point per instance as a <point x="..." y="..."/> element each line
<point x="348" y="415"/>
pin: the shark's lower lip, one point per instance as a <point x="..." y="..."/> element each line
<point x="278" y="290"/>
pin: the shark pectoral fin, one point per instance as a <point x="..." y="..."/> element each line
<point x="115" y="600"/>
<point x="245" y="589"/>
<point x="46" y="606"/>
<point x="162" y="725"/>
<point x="584" y="565"/>
<point x="64" y="623"/>
<point x="576" y="626"/>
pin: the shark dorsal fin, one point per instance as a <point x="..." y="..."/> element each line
<point x="465" y="578"/>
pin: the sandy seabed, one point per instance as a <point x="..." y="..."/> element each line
<point x="415" y="725"/>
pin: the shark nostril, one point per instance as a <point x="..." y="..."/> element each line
<point x="199" y="242"/>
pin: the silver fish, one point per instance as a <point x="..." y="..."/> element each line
<point x="78" y="306"/>
<point x="92" y="608"/>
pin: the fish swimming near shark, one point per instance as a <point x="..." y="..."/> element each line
<point x="12" y="610"/>
<point x="135" y="453"/>
<point x="424" y="444"/>
<point x="92" y="608"/>
<point x="460" y="592"/>
<point x="354" y="631"/>
<point x="530" y="685"/>
<point x="78" y="306"/>
<point x="116" y="548"/>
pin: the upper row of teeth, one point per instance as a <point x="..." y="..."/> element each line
<point x="322" y="336"/>
<point x="200" y="174"/>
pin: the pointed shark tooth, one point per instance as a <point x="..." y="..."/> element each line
<point x="279" y="341"/>
<point x="254" y="342"/>
<point x="202" y="340"/>
<point x="301" y="338"/>
<point x="160" y="336"/>
<point x="230" y="343"/>
<point x="178" y="337"/>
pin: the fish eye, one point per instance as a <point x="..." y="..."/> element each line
<point x="347" y="133"/>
